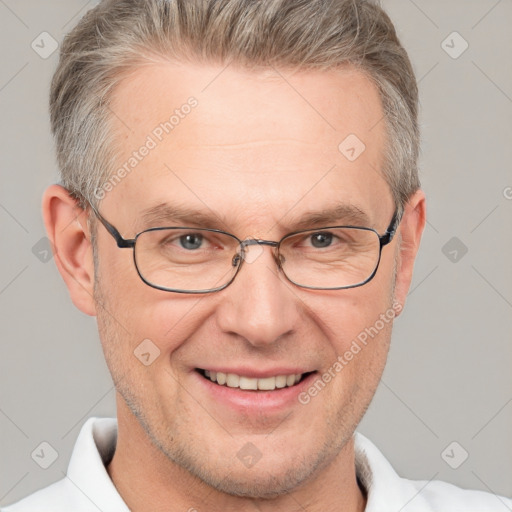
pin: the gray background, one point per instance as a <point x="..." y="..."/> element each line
<point x="448" y="377"/>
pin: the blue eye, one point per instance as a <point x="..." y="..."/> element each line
<point x="191" y="241"/>
<point x="321" y="240"/>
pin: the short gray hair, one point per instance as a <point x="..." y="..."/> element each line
<point x="118" y="36"/>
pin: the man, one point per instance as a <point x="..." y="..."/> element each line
<point x="239" y="205"/>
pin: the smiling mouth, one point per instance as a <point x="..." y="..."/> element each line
<point x="232" y="380"/>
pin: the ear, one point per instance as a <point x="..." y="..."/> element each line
<point x="67" y="229"/>
<point x="411" y="229"/>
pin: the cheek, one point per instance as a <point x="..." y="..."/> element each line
<point x="350" y="315"/>
<point x="360" y="363"/>
<point x="169" y="319"/>
<point x="358" y="323"/>
<point x="138" y="311"/>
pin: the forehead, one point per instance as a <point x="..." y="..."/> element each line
<point x="229" y="140"/>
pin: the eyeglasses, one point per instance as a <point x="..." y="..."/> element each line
<point x="199" y="260"/>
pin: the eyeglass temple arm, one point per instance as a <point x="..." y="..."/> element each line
<point x="391" y="230"/>
<point x="121" y="242"/>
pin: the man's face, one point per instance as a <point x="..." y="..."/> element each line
<point x="257" y="153"/>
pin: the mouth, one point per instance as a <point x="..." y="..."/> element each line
<point x="245" y="383"/>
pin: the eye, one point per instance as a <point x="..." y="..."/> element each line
<point x="320" y="240"/>
<point x="191" y="241"/>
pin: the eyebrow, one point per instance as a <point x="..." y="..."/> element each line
<point x="341" y="214"/>
<point x="164" y="212"/>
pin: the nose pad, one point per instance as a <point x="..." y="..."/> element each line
<point x="237" y="258"/>
<point x="257" y="249"/>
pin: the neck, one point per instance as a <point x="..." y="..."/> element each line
<point x="148" y="481"/>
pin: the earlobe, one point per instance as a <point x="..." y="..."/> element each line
<point x="411" y="230"/>
<point x="66" y="226"/>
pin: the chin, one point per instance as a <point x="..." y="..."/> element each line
<point x="277" y="473"/>
<point x="264" y="482"/>
<point x="262" y="487"/>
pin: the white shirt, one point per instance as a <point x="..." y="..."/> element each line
<point x="87" y="486"/>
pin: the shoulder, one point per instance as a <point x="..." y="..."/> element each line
<point x="388" y="492"/>
<point x="440" y="496"/>
<point x="58" y="497"/>
<point x="87" y="485"/>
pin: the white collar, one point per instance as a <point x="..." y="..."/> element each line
<point x="94" y="449"/>
<point x="88" y="482"/>
<point x="96" y="443"/>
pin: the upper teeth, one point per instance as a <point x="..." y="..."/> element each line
<point x="239" y="381"/>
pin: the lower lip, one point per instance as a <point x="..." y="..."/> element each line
<point x="257" y="401"/>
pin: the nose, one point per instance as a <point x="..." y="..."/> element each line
<point x="259" y="305"/>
